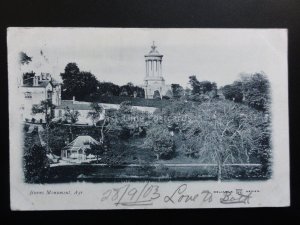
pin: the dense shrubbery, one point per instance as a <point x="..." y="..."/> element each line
<point x="35" y="161"/>
<point x="160" y="141"/>
<point x="234" y="91"/>
<point x="35" y="164"/>
<point x="256" y="90"/>
<point x="253" y="89"/>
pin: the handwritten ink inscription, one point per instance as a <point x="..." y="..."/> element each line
<point x="146" y="195"/>
<point x="132" y="196"/>
<point x="238" y="197"/>
<point x="180" y="195"/>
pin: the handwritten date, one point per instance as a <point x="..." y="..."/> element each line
<point x="132" y="196"/>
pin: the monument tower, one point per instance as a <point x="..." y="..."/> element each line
<point x="154" y="83"/>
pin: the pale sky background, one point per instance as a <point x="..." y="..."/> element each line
<point x="117" y="54"/>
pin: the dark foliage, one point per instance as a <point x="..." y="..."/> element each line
<point x="85" y="86"/>
<point x="24" y="58"/>
<point x="233" y="91"/>
<point x="77" y="83"/>
<point x="177" y="90"/>
<point x="202" y="87"/>
<point x="35" y="164"/>
<point x="256" y="90"/>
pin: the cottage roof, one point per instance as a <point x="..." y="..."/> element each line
<point x="81" y="142"/>
<point x="77" y="106"/>
<point x="43" y="83"/>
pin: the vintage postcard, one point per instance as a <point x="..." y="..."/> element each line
<point x="123" y="118"/>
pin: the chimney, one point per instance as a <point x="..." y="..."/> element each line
<point x="48" y="76"/>
<point x="73" y="99"/>
<point x="35" y="81"/>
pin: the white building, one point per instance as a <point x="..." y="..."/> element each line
<point x="82" y="107"/>
<point x="85" y="107"/>
<point x="39" y="88"/>
<point x="154" y="81"/>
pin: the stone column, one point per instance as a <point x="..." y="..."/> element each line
<point x="147" y="68"/>
<point x="152" y="62"/>
<point x="160" y="68"/>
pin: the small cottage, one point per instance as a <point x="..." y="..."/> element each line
<point x="76" y="150"/>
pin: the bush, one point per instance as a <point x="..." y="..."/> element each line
<point x="35" y="164"/>
<point x="256" y="89"/>
<point x="233" y="92"/>
<point x="160" y="140"/>
<point x="199" y="97"/>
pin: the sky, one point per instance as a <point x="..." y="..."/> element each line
<point x="117" y="54"/>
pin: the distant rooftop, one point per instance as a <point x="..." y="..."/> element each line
<point x="75" y="106"/>
<point x="42" y="82"/>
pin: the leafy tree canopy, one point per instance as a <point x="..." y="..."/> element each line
<point x="78" y="83"/>
<point x="177" y="90"/>
<point x="203" y="87"/>
<point x="24" y="58"/>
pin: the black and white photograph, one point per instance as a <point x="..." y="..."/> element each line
<point x="114" y="118"/>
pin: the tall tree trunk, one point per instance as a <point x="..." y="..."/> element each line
<point x="102" y="132"/>
<point x="71" y="132"/>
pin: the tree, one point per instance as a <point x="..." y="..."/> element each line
<point x="177" y="90"/>
<point x="97" y="150"/>
<point x="35" y="164"/>
<point x="95" y="114"/>
<point x="108" y="89"/>
<point x="201" y="87"/>
<point x="256" y="90"/>
<point x="233" y="91"/>
<point x="72" y="116"/>
<point x="225" y="133"/>
<point x="69" y="78"/>
<point x="87" y="84"/>
<point x="195" y="84"/>
<point x="160" y="141"/>
<point x="125" y="108"/>
<point x="71" y="69"/>
<point x="220" y="132"/>
<point x="45" y="107"/>
<point x="78" y="83"/>
<point x="124" y="92"/>
<point x="58" y="138"/>
<point x="129" y="89"/>
<point x="24" y="58"/>
<point x="187" y="91"/>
